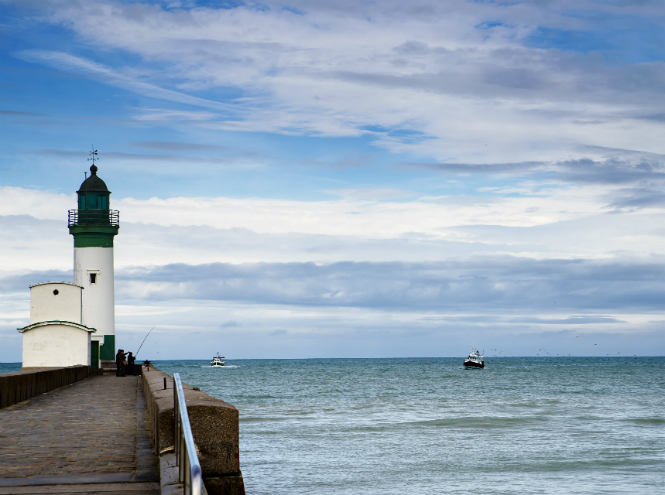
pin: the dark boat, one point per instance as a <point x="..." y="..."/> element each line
<point x="475" y="360"/>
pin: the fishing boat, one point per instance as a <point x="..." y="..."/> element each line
<point x="475" y="360"/>
<point x="218" y="361"/>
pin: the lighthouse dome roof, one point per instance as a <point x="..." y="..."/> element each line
<point x="93" y="183"/>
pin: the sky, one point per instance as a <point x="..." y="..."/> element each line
<point x="339" y="179"/>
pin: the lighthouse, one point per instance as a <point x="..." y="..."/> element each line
<point x="94" y="225"/>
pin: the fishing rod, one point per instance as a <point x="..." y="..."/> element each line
<point x="137" y="352"/>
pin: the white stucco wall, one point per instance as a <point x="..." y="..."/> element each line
<point x="46" y="305"/>
<point x="98" y="299"/>
<point x="55" y="345"/>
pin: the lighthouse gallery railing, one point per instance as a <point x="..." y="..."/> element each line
<point x="93" y="217"/>
<point x="185" y="449"/>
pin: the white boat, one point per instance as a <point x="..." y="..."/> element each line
<point x="218" y="361"/>
<point x="475" y="360"/>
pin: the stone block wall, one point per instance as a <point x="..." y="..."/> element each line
<point x="22" y="385"/>
<point x="215" y="426"/>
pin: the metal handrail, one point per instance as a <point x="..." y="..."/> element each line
<point x="93" y="217"/>
<point x="185" y="450"/>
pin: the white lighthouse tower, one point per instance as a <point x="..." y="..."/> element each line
<point x="94" y="226"/>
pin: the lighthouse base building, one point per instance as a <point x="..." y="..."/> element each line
<point x="56" y="337"/>
<point x="74" y="324"/>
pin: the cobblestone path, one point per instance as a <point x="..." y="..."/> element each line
<point x="94" y="431"/>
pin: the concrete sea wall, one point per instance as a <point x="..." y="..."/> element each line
<point x="22" y="385"/>
<point x="215" y="426"/>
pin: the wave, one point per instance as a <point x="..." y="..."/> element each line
<point x="487" y="422"/>
<point x="646" y="421"/>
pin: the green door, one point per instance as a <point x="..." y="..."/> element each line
<point x="94" y="354"/>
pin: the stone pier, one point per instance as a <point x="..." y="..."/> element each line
<point x="89" y="437"/>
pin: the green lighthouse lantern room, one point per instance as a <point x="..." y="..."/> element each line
<point x="93" y="194"/>
<point x="93" y="224"/>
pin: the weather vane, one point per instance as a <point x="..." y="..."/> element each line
<point x="93" y="155"/>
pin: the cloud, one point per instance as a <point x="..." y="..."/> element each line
<point x="485" y="168"/>
<point x="183" y="161"/>
<point x="609" y="171"/>
<point x="371" y="193"/>
<point x="159" y="114"/>
<point x="572" y="320"/>
<point x="175" y="146"/>
<point x="21" y="282"/>
<point x="488" y="284"/>
<point x="116" y="156"/>
<point x="473" y="79"/>
<point x="646" y="173"/>
<point x="66" y="61"/>
<point x="347" y="217"/>
<point x="230" y="324"/>
<point x="529" y="222"/>
<point x="388" y="309"/>
<point x="637" y="198"/>
<point x="13" y="113"/>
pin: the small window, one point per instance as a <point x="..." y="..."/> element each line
<point x="93" y="278"/>
<point x="56" y="292"/>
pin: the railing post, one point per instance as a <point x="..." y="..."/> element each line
<point x="189" y="468"/>
<point x="94" y="217"/>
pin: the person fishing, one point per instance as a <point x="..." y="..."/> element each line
<point x="130" y="363"/>
<point x="120" y="363"/>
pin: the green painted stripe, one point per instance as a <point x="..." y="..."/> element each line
<point x="107" y="350"/>
<point x="85" y="241"/>
<point x="94" y="355"/>
<point x="93" y="236"/>
<point x="98" y="229"/>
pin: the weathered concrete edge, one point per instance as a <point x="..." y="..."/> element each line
<point x="159" y="402"/>
<point x="169" y="476"/>
<point x="19" y="386"/>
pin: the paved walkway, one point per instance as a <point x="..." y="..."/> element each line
<point x="89" y="437"/>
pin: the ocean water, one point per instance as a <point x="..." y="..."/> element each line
<point x="427" y="426"/>
<point x="9" y="367"/>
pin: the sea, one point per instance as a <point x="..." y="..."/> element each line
<point x="549" y="425"/>
<point x="546" y="425"/>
